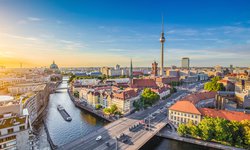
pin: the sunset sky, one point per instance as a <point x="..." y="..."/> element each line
<point x="105" y="33"/>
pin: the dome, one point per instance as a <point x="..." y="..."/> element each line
<point x="53" y="66"/>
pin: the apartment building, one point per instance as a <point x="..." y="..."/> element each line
<point x="183" y="112"/>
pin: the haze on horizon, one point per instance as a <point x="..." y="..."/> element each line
<point x="98" y="33"/>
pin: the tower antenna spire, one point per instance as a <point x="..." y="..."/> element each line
<point x="162" y="23"/>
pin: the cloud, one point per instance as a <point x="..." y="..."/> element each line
<point x="34" y="19"/>
<point x="19" y="37"/>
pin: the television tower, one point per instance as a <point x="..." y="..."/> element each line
<point x="162" y="40"/>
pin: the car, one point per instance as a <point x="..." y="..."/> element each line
<point x="107" y="144"/>
<point x="98" y="138"/>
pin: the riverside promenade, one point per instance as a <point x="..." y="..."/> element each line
<point x="85" y="107"/>
<point x="165" y="133"/>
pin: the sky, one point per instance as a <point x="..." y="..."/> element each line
<point x="82" y="33"/>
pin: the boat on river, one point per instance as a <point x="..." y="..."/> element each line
<point x="64" y="113"/>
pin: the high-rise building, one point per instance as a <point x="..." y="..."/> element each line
<point x="185" y="62"/>
<point x="154" y="69"/>
<point x="162" y="40"/>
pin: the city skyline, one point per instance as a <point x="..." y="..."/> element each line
<point x="83" y="34"/>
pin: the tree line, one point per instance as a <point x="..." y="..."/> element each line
<point x="219" y="130"/>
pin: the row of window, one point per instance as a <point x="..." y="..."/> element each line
<point x="182" y="120"/>
<point x="7" y="139"/>
<point x="184" y="114"/>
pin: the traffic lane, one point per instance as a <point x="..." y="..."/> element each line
<point x="122" y="126"/>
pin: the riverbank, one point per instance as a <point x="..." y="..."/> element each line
<point x="164" y="133"/>
<point x="85" y="107"/>
<point x="61" y="131"/>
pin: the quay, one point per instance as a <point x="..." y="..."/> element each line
<point x="164" y="133"/>
<point x="90" y="110"/>
<point x="52" y="145"/>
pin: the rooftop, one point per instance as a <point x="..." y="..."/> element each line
<point x="185" y="106"/>
<point x="12" y="121"/>
<point x="226" y="114"/>
<point x="195" y="98"/>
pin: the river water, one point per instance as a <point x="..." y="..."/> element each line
<point x="62" y="132"/>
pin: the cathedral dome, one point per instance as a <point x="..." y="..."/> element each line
<point x="53" y="65"/>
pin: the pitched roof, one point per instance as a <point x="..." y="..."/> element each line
<point x="144" y="83"/>
<point x="195" y="98"/>
<point x="126" y="94"/>
<point x="185" y="106"/>
<point x="226" y="114"/>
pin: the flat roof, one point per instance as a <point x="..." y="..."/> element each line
<point x="6" y="98"/>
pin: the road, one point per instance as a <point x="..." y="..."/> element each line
<point x="115" y="129"/>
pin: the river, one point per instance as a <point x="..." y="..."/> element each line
<point x="82" y="123"/>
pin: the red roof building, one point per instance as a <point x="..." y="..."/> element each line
<point x="143" y="83"/>
<point x="225" y="114"/>
<point x="197" y="97"/>
<point x="186" y="107"/>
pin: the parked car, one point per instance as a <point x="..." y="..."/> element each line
<point x="98" y="138"/>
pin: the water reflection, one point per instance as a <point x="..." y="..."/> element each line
<point x="82" y="123"/>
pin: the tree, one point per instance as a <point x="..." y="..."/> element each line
<point x="113" y="109"/>
<point x="76" y="94"/>
<point x="182" y="130"/>
<point x="207" y="128"/>
<point x="98" y="106"/>
<point x="149" y="97"/>
<point x="246" y="131"/>
<point x="213" y="85"/>
<point x="107" y="111"/>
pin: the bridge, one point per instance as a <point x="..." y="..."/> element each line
<point x="120" y="135"/>
<point x="61" y="88"/>
<point x="112" y="132"/>
<point x="115" y="134"/>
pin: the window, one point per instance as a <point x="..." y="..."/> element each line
<point x="22" y="128"/>
<point x="10" y="130"/>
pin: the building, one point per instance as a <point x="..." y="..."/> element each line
<point x="225" y="114"/>
<point x="124" y="100"/>
<point x="183" y="112"/>
<point x="14" y="132"/>
<point x="154" y="69"/>
<point x="197" y="97"/>
<point x="185" y="62"/>
<point x="14" y="126"/>
<point x="173" y="73"/>
<point x="35" y="101"/>
<point x="143" y="83"/>
<point x="218" y="68"/>
<point x="227" y="84"/>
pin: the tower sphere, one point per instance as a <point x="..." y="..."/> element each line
<point x="162" y="39"/>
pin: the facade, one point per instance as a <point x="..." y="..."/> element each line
<point x="14" y="132"/>
<point x="183" y="112"/>
<point x="154" y="69"/>
<point x="185" y="62"/>
<point x="124" y="100"/>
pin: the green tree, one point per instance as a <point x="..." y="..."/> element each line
<point x="149" y="97"/>
<point x="246" y="131"/>
<point x="183" y="130"/>
<point x="107" y="111"/>
<point x="76" y="94"/>
<point x="113" y="109"/>
<point x="207" y="128"/>
<point x="213" y="85"/>
<point x="98" y="106"/>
